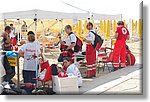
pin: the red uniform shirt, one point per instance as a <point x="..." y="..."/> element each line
<point x="122" y="33"/>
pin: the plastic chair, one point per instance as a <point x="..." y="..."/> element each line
<point x="48" y="74"/>
<point x="106" y="57"/>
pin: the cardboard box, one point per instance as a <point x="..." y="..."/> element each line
<point x="12" y="61"/>
<point x="68" y="85"/>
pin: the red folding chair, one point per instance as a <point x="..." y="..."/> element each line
<point x="48" y="74"/>
<point x="106" y="57"/>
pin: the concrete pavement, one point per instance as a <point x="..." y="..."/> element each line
<point x="124" y="81"/>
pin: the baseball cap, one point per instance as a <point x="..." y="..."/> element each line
<point x="30" y="32"/>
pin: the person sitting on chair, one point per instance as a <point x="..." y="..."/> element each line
<point x="71" y="68"/>
<point x="129" y="57"/>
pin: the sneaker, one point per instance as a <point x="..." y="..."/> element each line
<point x="114" y="69"/>
<point x="94" y="76"/>
<point x="11" y="82"/>
<point x="79" y="86"/>
<point x="1" y="88"/>
<point x="88" y="77"/>
<point x="7" y="86"/>
<point x="5" y="83"/>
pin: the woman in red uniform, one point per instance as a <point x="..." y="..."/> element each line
<point x="122" y="34"/>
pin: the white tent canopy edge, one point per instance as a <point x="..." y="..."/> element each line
<point x="41" y="14"/>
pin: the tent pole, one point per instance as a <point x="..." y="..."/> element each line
<point x="18" y="31"/>
<point x="35" y="23"/>
<point x="130" y="30"/>
<point x="20" y="37"/>
<point x="43" y="37"/>
<point x="5" y="24"/>
<point x="36" y="62"/>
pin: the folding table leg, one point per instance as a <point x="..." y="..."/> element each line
<point x="104" y="67"/>
<point x="108" y="67"/>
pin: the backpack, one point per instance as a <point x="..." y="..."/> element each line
<point x="78" y="46"/>
<point x="54" y="69"/>
<point x="98" y="39"/>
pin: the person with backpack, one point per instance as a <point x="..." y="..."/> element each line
<point x="13" y="34"/>
<point x="91" y="48"/>
<point x="122" y="34"/>
<point x="72" y="43"/>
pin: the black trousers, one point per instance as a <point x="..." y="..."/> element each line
<point x="28" y="76"/>
<point x="10" y="70"/>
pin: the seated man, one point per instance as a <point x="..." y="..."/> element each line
<point x="129" y="57"/>
<point x="71" y="68"/>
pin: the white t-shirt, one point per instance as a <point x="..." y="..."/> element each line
<point x="91" y="36"/>
<point x="72" y="69"/>
<point x="30" y="50"/>
<point x="12" y="35"/>
<point x="70" y="39"/>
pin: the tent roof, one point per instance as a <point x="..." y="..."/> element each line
<point x="41" y="14"/>
<point x="106" y="17"/>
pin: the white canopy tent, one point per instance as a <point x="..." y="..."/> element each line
<point x="41" y="14"/>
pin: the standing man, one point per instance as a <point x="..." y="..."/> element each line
<point x="6" y="43"/>
<point x="24" y="29"/>
<point x="122" y="34"/>
<point x="90" y="51"/>
<point x="7" y="46"/>
<point x="70" y="41"/>
<point x="30" y="51"/>
<point x="13" y="35"/>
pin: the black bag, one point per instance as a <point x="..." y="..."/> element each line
<point x="98" y="39"/>
<point x="63" y="55"/>
<point x="60" y="58"/>
<point x="20" y="91"/>
<point x="9" y="48"/>
<point x="8" y="92"/>
<point x="78" y="46"/>
<point x="43" y="91"/>
<point x="49" y="91"/>
<point x="14" y="92"/>
<point x="54" y="69"/>
<point x="28" y="89"/>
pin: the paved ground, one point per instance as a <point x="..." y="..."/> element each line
<point x="123" y="81"/>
